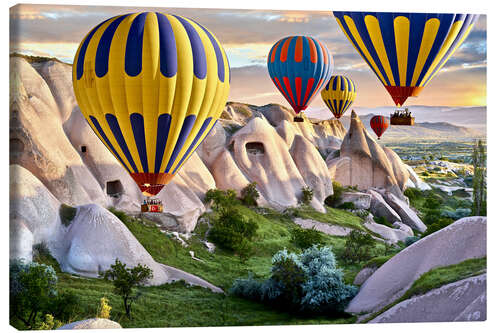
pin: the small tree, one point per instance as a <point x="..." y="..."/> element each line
<point x="358" y="247"/>
<point x="305" y="238"/>
<point x="479" y="180"/>
<point x="32" y="287"/>
<point x="104" y="309"/>
<point x="125" y="280"/>
<point x="249" y="194"/>
<point x="221" y="200"/>
<point x="307" y="195"/>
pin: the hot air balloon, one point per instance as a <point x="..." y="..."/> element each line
<point x="299" y="67"/>
<point x="151" y="86"/>
<point x="379" y="124"/>
<point x="339" y="94"/>
<point x="405" y="50"/>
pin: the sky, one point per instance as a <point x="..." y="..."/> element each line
<point x="247" y="37"/>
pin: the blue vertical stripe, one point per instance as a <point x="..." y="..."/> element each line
<point x="133" y="49"/>
<point x="163" y="127"/>
<point x="199" y="57"/>
<point x="185" y="130"/>
<point x="218" y="54"/>
<point x="105" y="138"/>
<point x="115" y="128"/>
<point x="137" y="123"/>
<point x="102" y="54"/>
<point x="168" y="48"/>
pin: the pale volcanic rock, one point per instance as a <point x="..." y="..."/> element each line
<point x="58" y="77"/>
<point x="464" y="300"/>
<point x="370" y="165"/>
<point x="287" y="131"/>
<point x="408" y="216"/>
<point x="213" y="144"/>
<point x="197" y="176"/>
<point x="359" y="199"/>
<point x="380" y="208"/>
<point x="462" y="240"/>
<point x="262" y="156"/>
<point x="93" y="323"/>
<point x="38" y="141"/>
<point x="415" y="179"/>
<point x="363" y="275"/>
<point x="391" y="235"/>
<point x="34" y="213"/>
<point x="312" y="167"/>
<point x="398" y="168"/>
<point x="340" y="170"/>
<point x="94" y="239"/>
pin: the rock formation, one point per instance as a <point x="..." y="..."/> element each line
<point x="93" y="323"/>
<point x="462" y="240"/>
<point x="463" y="300"/>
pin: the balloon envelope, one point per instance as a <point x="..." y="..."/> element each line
<point x="339" y="94"/>
<point x="299" y="67"/>
<point x="379" y="124"/>
<point x="405" y="50"/>
<point x="151" y="86"/>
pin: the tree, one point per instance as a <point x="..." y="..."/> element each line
<point x="358" y="247"/>
<point x="125" y="280"/>
<point x="307" y="195"/>
<point x="249" y="194"/>
<point x="479" y="179"/>
<point x="32" y="288"/>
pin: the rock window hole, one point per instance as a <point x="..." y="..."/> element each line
<point x="83" y="149"/>
<point x="114" y="188"/>
<point x="255" y="148"/>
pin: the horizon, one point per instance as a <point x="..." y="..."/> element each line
<point x="247" y="36"/>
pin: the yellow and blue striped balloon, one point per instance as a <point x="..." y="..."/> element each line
<point x="151" y="86"/>
<point x="339" y="94"/>
<point x="405" y="50"/>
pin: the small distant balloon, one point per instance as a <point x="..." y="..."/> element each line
<point x="379" y="124"/>
<point x="339" y="94"/>
<point x="299" y="67"/>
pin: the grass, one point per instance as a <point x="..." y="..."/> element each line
<point x="378" y="261"/>
<point x="436" y="278"/>
<point x="332" y="216"/>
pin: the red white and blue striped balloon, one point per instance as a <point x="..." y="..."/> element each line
<point x="299" y="67"/>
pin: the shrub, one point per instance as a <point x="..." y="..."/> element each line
<point x="104" y="309"/>
<point x="221" y="200"/>
<point x="64" y="306"/>
<point x="438" y="224"/>
<point x="358" y="247"/>
<point x="410" y="240"/>
<point x="347" y="206"/>
<point x="338" y="189"/>
<point x="363" y="213"/>
<point x="425" y="174"/>
<point x="433" y="203"/>
<point x="413" y="194"/>
<point x="49" y="323"/>
<point x="249" y="194"/>
<point x="32" y="288"/>
<point x="457" y="214"/>
<point x="307" y="195"/>
<point x="67" y="214"/>
<point x="305" y="238"/>
<point x="309" y="283"/>
<point x="233" y="231"/>
<point x="125" y="280"/>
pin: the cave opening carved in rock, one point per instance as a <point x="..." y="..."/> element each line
<point x="255" y="148"/>
<point x="114" y="188"/>
<point x="16" y="145"/>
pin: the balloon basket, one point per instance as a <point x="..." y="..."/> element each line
<point x="298" y="120"/>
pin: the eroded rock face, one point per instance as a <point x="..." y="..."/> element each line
<point x="93" y="323"/>
<point x="464" y="300"/>
<point x="379" y="207"/>
<point x="408" y="216"/>
<point x="462" y="240"/>
<point x="312" y="167"/>
<point x="94" y="239"/>
<point x="359" y="199"/>
<point x="391" y="235"/>
<point x="363" y="275"/>
<point x="370" y="165"/>
<point x="34" y="213"/>
<point x="262" y="155"/>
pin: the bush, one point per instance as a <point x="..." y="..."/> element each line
<point x="67" y="214"/>
<point x="307" y="195"/>
<point x="410" y="240"/>
<point x="249" y="194"/>
<point x="457" y="214"/>
<point x="425" y="174"/>
<point x="32" y="288"/>
<point x="413" y="194"/>
<point x="437" y="225"/>
<point x="104" y="309"/>
<point x="233" y="231"/>
<point x="221" y="200"/>
<point x="309" y="283"/>
<point x="358" y="247"/>
<point x="305" y="238"/>
<point x="433" y="203"/>
<point x="125" y="280"/>
<point x="347" y="206"/>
